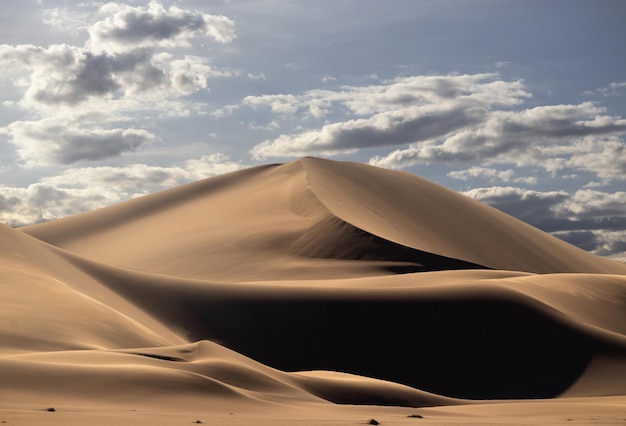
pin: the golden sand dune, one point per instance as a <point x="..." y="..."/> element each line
<point x="278" y="222"/>
<point x="302" y="286"/>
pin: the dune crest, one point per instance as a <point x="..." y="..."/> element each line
<point x="253" y="224"/>
<point x="310" y="283"/>
<point x="409" y="210"/>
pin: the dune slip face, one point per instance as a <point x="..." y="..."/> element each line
<point x="304" y="285"/>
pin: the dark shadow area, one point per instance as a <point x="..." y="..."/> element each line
<point x="332" y="238"/>
<point x="161" y="357"/>
<point x="473" y="348"/>
<point x="463" y="344"/>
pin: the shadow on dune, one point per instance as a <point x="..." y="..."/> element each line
<point x="473" y="344"/>
<point x="469" y="342"/>
<point x="332" y="238"/>
<point x="476" y="348"/>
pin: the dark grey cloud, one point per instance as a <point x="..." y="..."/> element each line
<point x="586" y="240"/>
<point x="98" y="144"/>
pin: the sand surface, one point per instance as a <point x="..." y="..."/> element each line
<point x="313" y="292"/>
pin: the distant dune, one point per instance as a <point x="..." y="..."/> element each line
<point x="291" y="288"/>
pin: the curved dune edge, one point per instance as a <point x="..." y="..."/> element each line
<point x="253" y="225"/>
<point x="409" y="210"/>
<point x="548" y="322"/>
<point x="204" y="372"/>
<point x="584" y="310"/>
<point x="310" y="297"/>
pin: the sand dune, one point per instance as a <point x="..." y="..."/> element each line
<point x="293" y="288"/>
<point x="277" y="222"/>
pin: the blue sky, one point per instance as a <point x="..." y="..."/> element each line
<point x="519" y="104"/>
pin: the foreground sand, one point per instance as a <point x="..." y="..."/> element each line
<point x="579" y="411"/>
<point x="314" y="292"/>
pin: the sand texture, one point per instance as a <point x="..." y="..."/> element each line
<point x="312" y="292"/>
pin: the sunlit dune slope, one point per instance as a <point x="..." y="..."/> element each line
<point x="277" y="222"/>
<point x="46" y="303"/>
<point x="202" y="374"/>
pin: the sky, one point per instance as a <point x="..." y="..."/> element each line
<point x="518" y="104"/>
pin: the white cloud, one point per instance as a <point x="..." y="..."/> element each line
<point x="399" y="93"/>
<point x="40" y="202"/>
<point x="259" y="76"/>
<point x="588" y="204"/>
<point x="526" y="137"/>
<point x="612" y="89"/>
<point x="398" y="112"/>
<point x="283" y="105"/>
<point x="590" y="219"/>
<point x="57" y="140"/>
<point x="528" y="205"/>
<point x="192" y="73"/>
<point x="451" y="119"/>
<point x="271" y="126"/>
<point x="397" y="127"/>
<point x="603" y="156"/>
<point x="117" y="76"/>
<point x="126" y="27"/>
<point x="67" y="75"/>
<point x="82" y="189"/>
<point x="491" y="174"/>
<point x="71" y="21"/>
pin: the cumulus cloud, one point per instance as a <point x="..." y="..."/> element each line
<point x="259" y="76"/>
<point x="63" y="75"/>
<point x="511" y="136"/>
<point x="40" y="202"/>
<point x="592" y="220"/>
<point x="58" y="140"/>
<point x="589" y="204"/>
<point x="86" y="188"/>
<point x="612" y="89"/>
<point x="117" y="75"/>
<point x="127" y="27"/>
<point x="491" y="174"/>
<point x="452" y="119"/>
<point x="399" y="112"/>
<point x="603" y="156"/>
<point x="69" y="75"/>
<point x="399" y="93"/>
<point x="530" y="206"/>
<point x="396" y="127"/>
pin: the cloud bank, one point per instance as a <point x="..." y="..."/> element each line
<point x="593" y="220"/>
<point x="119" y="74"/>
<point x="451" y="120"/>
<point x="86" y="188"/>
